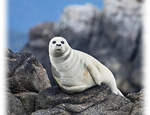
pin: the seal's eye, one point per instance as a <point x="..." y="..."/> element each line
<point x="54" y="42"/>
<point x="62" y="42"/>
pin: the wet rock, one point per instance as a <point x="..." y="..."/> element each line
<point x="25" y="73"/>
<point x="15" y="106"/>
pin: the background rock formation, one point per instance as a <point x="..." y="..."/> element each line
<point x="112" y="35"/>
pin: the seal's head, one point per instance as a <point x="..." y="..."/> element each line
<point x="58" y="46"/>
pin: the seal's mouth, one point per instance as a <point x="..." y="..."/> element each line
<point x="58" y="49"/>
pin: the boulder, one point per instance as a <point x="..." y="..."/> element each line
<point x="25" y="73"/>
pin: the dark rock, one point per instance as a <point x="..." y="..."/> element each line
<point x="25" y="73"/>
<point x="58" y="111"/>
<point x="134" y="97"/>
<point x="38" y="44"/>
<point x="28" y="101"/>
<point x="96" y="100"/>
<point x="15" y="106"/>
<point x="41" y="34"/>
<point x="138" y="100"/>
<point x="138" y="108"/>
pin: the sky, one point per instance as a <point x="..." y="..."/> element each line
<point x="23" y="14"/>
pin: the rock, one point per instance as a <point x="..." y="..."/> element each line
<point x="112" y="35"/>
<point x="138" y="100"/>
<point x="137" y="109"/>
<point x="96" y="100"/>
<point x="15" y="106"/>
<point x="82" y="22"/>
<point x="79" y="18"/>
<point x="39" y="40"/>
<point x="120" y="40"/>
<point x="28" y="93"/>
<point x="41" y="34"/>
<point x="51" y="112"/>
<point x="25" y="73"/>
<point x="28" y="101"/>
<point x="134" y="97"/>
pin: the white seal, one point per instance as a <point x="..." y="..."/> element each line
<point x="76" y="71"/>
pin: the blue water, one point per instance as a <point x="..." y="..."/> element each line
<point x="23" y="14"/>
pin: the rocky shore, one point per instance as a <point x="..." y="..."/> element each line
<point x="30" y="93"/>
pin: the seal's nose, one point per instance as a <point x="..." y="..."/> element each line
<point x="58" y="44"/>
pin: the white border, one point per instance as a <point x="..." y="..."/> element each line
<point x="146" y="56"/>
<point x="2" y="60"/>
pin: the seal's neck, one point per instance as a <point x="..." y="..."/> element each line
<point x="62" y="58"/>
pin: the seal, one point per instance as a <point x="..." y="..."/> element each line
<point x="76" y="71"/>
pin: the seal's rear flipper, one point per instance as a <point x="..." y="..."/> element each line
<point x="119" y="93"/>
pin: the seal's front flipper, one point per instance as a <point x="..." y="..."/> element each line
<point x="94" y="74"/>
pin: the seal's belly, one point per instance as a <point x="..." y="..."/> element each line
<point x="73" y="72"/>
<point x="81" y="77"/>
